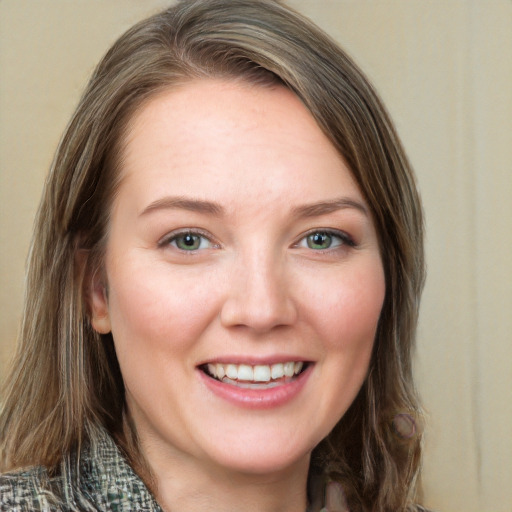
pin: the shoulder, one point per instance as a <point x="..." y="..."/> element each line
<point x="99" y="478"/>
<point x="29" y="490"/>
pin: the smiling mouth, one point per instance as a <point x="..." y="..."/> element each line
<point x="255" y="377"/>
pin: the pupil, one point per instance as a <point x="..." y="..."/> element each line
<point x="319" y="239"/>
<point x="189" y="240"/>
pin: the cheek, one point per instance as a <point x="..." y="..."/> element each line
<point x="149" y="306"/>
<point x="350" y="327"/>
<point x="347" y="311"/>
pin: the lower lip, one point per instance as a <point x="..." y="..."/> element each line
<point x="257" y="398"/>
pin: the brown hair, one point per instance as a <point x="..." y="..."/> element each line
<point x="66" y="378"/>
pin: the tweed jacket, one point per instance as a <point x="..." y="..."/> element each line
<point x="103" y="482"/>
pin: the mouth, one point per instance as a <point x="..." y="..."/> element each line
<point x="259" y="376"/>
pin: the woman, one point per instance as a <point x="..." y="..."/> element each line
<point x="223" y="283"/>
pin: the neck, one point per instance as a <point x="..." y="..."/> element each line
<point x="185" y="486"/>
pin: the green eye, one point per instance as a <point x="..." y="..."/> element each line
<point x="319" y="240"/>
<point x="189" y="242"/>
<point x="323" y="240"/>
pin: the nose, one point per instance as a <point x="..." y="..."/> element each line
<point x="260" y="295"/>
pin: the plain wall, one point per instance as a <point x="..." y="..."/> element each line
<point x="444" y="69"/>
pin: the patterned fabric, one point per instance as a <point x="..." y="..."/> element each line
<point x="104" y="482"/>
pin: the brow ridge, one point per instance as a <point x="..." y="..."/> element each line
<point x="210" y="207"/>
<point x="184" y="203"/>
<point x="326" y="207"/>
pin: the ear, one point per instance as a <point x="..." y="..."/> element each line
<point x="95" y="292"/>
<point x="98" y="303"/>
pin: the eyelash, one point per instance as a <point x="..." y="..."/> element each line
<point x="172" y="237"/>
<point x="344" y="238"/>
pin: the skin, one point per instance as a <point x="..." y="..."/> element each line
<point x="253" y="290"/>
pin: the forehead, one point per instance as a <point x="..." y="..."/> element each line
<point x="218" y="137"/>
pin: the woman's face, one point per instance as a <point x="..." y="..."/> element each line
<point x="244" y="280"/>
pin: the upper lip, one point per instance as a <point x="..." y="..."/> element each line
<point x="254" y="360"/>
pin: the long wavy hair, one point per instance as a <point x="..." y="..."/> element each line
<point x="66" y="380"/>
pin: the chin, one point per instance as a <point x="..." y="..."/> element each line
<point x="261" y="457"/>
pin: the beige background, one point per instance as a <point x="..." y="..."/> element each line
<point x="444" y="68"/>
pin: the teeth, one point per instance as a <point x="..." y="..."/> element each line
<point x="232" y="371"/>
<point x="258" y="373"/>
<point x="220" y="371"/>
<point x="289" y="369"/>
<point x="261" y="373"/>
<point x="245" y="372"/>
<point x="277" y="371"/>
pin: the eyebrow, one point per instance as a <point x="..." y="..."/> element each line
<point x="183" y="203"/>
<point x="202" y="206"/>
<point x="326" y="207"/>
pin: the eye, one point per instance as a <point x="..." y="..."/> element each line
<point x="188" y="241"/>
<point x="322" y="240"/>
